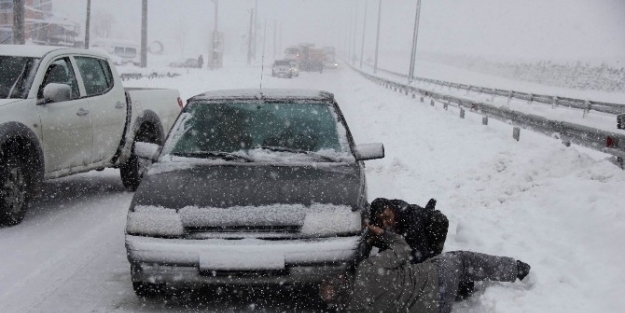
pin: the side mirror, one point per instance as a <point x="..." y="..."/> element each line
<point x="146" y="150"/>
<point x="54" y="92"/>
<point x="369" y="151"/>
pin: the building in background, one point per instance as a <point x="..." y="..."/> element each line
<point x="41" y="25"/>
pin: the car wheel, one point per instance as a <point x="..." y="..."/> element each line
<point x="14" y="187"/>
<point x="147" y="290"/>
<point x="132" y="172"/>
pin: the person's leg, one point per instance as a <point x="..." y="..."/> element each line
<point x="461" y="267"/>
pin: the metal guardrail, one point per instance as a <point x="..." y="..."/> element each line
<point x="604" y="141"/>
<point x="586" y="105"/>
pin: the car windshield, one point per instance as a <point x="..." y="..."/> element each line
<point x="282" y="63"/>
<point x="292" y="127"/>
<point x="16" y="75"/>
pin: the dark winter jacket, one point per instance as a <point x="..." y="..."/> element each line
<point x="388" y="283"/>
<point x="413" y="223"/>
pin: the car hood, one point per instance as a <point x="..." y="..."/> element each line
<point x="249" y="184"/>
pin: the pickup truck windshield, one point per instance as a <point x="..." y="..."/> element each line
<point x="16" y="75"/>
<point x="229" y="127"/>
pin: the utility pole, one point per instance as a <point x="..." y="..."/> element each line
<point x="144" y="34"/>
<point x="249" y="42"/>
<point x="255" y="42"/>
<point x="264" y="38"/>
<point x="413" y="56"/>
<point x="19" y="37"/>
<point x="88" y="24"/>
<point x="377" y="40"/>
<point x="353" y="51"/>
<point x="364" y="31"/>
<point x="275" y="35"/>
<point x="214" y="55"/>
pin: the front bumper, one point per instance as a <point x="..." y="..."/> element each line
<point x="178" y="262"/>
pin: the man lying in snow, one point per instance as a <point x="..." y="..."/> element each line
<point x="423" y="228"/>
<point x="388" y="282"/>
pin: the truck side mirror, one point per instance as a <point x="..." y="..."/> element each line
<point x="369" y="151"/>
<point x="54" y="92"/>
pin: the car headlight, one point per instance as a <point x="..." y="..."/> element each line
<point x="154" y="221"/>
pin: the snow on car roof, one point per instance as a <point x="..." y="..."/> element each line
<point x="35" y="51"/>
<point x="250" y="94"/>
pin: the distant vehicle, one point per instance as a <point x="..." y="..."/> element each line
<point x="282" y="68"/>
<point x="125" y="51"/>
<point x="249" y="188"/>
<point x="64" y="111"/>
<point x="293" y="53"/>
<point x="331" y="64"/>
<point x="186" y="63"/>
<point x="294" y="68"/>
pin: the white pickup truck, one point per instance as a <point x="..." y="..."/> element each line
<point x="64" y="111"/>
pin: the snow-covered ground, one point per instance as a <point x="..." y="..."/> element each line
<point x="559" y="209"/>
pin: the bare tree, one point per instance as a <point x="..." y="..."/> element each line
<point x="103" y="23"/>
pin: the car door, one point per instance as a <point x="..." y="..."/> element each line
<point x="108" y="106"/>
<point x="66" y="126"/>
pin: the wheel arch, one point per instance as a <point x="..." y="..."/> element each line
<point x="18" y="138"/>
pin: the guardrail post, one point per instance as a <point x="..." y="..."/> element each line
<point x="554" y="102"/>
<point x="566" y="141"/>
<point x="432" y="102"/>
<point x="485" y="120"/>
<point x="509" y="98"/>
<point x="586" y="108"/>
<point x="494" y="93"/>
<point x="516" y="133"/>
<point x="469" y="90"/>
<point x="422" y="100"/>
<point x="406" y="91"/>
<point x="529" y="101"/>
<point x="461" y="113"/>
<point x="620" y="121"/>
<point x="446" y="105"/>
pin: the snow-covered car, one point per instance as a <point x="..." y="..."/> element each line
<point x="282" y="68"/>
<point x="250" y="188"/>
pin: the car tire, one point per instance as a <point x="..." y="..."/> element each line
<point x="147" y="290"/>
<point x="132" y="171"/>
<point x="14" y="190"/>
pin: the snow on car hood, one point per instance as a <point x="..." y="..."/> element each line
<point x="250" y="184"/>
<point x="315" y="220"/>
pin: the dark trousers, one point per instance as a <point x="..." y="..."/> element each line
<point x="458" y="267"/>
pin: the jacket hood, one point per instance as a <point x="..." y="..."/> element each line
<point x="249" y="184"/>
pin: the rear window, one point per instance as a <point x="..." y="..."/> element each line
<point x="230" y="127"/>
<point x="283" y="63"/>
<point x="96" y="75"/>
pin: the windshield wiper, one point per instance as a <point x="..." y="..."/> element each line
<point x="215" y="154"/>
<point x="294" y="150"/>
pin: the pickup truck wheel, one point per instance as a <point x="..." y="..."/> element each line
<point x="132" y="171"/>
<point x="13" y="190"/>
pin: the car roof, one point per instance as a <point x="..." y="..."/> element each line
<point x="35" y="51"/>
<point x="265" y="94"/>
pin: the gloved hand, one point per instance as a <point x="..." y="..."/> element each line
<point x="523" y="269"/>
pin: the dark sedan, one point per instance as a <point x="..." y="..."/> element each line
<point x="250" y="188"/>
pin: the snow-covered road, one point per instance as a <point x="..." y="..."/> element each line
<point x="559" y="209"/>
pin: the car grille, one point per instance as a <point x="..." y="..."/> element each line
<point x="289" y="229"/>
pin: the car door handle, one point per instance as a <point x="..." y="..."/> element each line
<point x="82" y="112"/>
<point x="119" y="105"/>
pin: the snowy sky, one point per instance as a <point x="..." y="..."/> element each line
<point x="555" y="29"/>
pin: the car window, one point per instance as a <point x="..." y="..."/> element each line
<point x="96" y="75"/>
<point x="231" y="127"/>
<point x="60" y="72"/>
